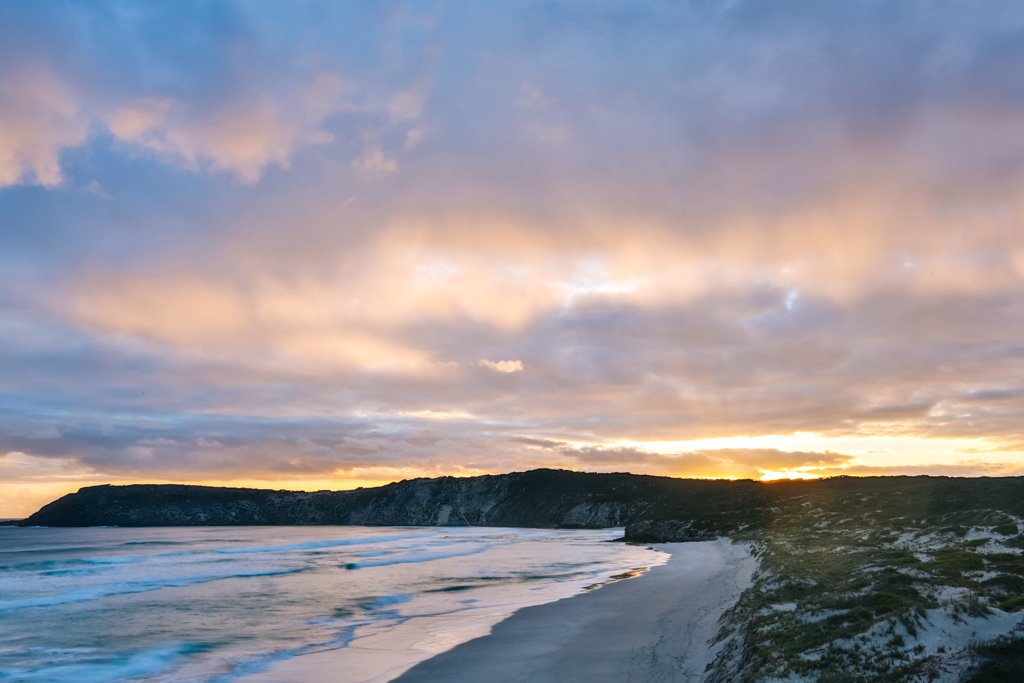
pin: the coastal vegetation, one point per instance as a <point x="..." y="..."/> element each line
<point x="907" y="580"/>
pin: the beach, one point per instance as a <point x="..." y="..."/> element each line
<point x="349" y="603"/>
<point x="655" y="627"/>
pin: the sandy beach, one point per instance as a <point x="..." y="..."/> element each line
<point x="655" y="627"/>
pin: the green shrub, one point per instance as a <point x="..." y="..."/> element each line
<point x="1014" y="604"/>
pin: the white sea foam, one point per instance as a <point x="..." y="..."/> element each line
<point x="415" y="558"/>
<point x="316" y="545"/>
<point x="212" y="604"/>
<point x="90" y="667"/>
<point x="134" y="587"/>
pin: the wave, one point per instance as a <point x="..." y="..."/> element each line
<point x="453" y="589"/>
<point x="324" y="611"/>
<point x="112" y="559"/>
<point x="375" y="603"/>
<point x="261" y="663"/>
<point x="130" y="543"/>
<point x="49" y="550"/>
<point x="315" y="545"/>
<point x="47" y="565"/>
<point x="133" y="587"/>
<point x="122" y="667"/>
<point x="419" y="557"/>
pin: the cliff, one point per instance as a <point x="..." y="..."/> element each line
<point x="538" y="498"/>
<point x="651" y="508"/>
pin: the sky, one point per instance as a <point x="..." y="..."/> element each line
<point x="326" y="245"/>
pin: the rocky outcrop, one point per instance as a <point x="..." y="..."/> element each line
<point x="670" y="531"/>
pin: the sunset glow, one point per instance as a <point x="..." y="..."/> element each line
<point x="769" y="475"/>
<point x="336" y="245"/>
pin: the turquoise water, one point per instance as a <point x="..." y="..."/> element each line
<point x="274" y="603"/>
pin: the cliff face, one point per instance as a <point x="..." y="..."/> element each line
<point x="539" y="498"/>
<point x="650" y="508"/>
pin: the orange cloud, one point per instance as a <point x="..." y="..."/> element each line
<point x="505" y="367"/>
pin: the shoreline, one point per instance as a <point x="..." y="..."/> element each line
<point x="655" y="627"/>
<point x="380" y="652"/>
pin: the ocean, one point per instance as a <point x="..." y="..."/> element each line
<point x="262" y="604"/>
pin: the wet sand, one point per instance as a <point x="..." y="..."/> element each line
<point x="653" y="628"/>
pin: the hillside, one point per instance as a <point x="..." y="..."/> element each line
<point x="651" y="508"/>
<point x="538" y="498"/>
<point x="884" y="580"/>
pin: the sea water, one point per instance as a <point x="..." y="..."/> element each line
<point x="222" y="604"/>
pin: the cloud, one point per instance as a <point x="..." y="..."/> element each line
<point x="139" y="119"/>
<point x="505" y="367"/>
<point x="229" y="103"/>
<point x="374" y="163"/>
<point x="39" y="117"/>
<point x="531" y="97"/>
<point x="43" y="116"/>
<point x="407" y="104"/>
<point x="243" y="136"/>
<point x="971" y="469"/>
<point x="350" y="223"/>
<point x="748" y="463"/>
<point x="413" y="138"/>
